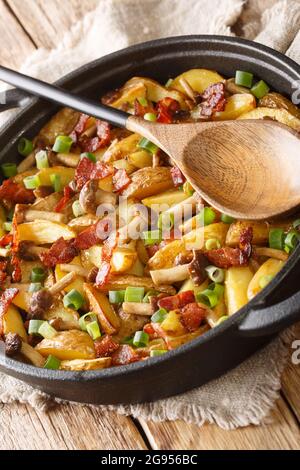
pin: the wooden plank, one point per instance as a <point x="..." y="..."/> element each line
<point x="282" y="433"/>
<point x="291" y="379"/>
<point x="15" y="43"/>
<point x="47" y="22"/>
<point x="66" y="427"/>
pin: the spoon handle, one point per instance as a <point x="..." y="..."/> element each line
<point x="65" y="98"/>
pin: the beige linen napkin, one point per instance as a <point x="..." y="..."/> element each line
<point x="246" y="394"/>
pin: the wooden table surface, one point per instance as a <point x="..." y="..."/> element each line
<point x="24" y="26"/>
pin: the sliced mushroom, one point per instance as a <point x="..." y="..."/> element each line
<point x="91" y="197"/>
<point x="137" y="308"/>
<point x="170" y="275"/>
<point x="24" y="214"/>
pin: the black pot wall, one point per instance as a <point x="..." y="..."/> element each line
<point x="225" y="346"/>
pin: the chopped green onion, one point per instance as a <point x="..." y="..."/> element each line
<point x="296" y="223"/>
<point x="157" y="352"/>
<point x="116" y="296"/>
<point x="62" y="144"/>
<point x="9" y="169"/>
<point x="93" y="330"/>
<point x="77" y="209"/>
<point x="25" y="147"/>
<point x="221" y="319"/>
<point x="151" y="237"/>
<point x="166" y="221"/>
<point x="150" y="117"/>
<point x="73" y="299"/>
<point x="215" y="274"/>
<point x="42" y="160"/>
<point x="140" y="339"/>
<point x="207" y="297"/>
<point x="217" y="289"/>
<point x="47" y="331"/>
<point x="243" y="78"/>
<point x="260" y="89"/>
<point x="52" y="363"/>
<point x="32" y="182"/>
<point x="34" y="326"/>
<point x="292" y="239"/>
<point x="276" y="237"/>
<point x="127" y="340"/>
<point x="188" y="189"/>
<point x="56" y="182"/>
<point x="169" y="82"/>
<point x="159" y="315"/>
<point x="227" y="219"/>
<point x="89" y="155"/>
<point x="212" y="244"/>
<point x="37" y="275"/>
<point x="265" y="280"/>
<point x="206" y="216"/>
<point x="147" y="145"/>
<point x="143" y="101"/>
<point x="86" y="319"/>
<point x="134" y="294"/>
<point x="34" y="287"/>
<point x="7" y="226"/>
<point x="150" y="293"/>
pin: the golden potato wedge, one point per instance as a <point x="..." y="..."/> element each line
<point x="172" y="324"/>
<point x="141" y="159"/>
<point x="68" y="316"/>
<point x="236" y="105"/>
<point x="237" y="280"/>
<point x="280" y="115"/>
<point x="277" y="101"/>
<point x="165" y="256"/>
<point x="99" y="304"/>
<point x="137" y="269"/>
<point x="106" y="184"/>
<point x="61" y="124"/>
<point x="190" y="285"/>
<point x="86" y="364"/>
<point x="77" y="283"/>
<point x="176" y="341"/>
<point x="270" y="268"/>
<point x="197" y="237"/>
<point x="124" y="164"/>
<point x="121" y="282"/>
<point x="270" y="253"/>
<point x="42" y="232"/>
<point x="91" y="257"/>
<point x="130" y="324"/>
<point x="261" y="231"/>
<point x="48" y="203"/>
<point x="12" y="323"/>
<point x="131" y="91"/>
<point x="32" y="355"/>
<point x="168" y="198"/>
<point x="198" y="79"/>
<point x="121" y="149"/>
<point x="148" y="182"/>
<point x="22" y="299"/>
<point x="122" y="260"/>
<point x="68" y="345"/>
<point x="65" y="174"/>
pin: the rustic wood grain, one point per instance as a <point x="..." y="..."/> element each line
<point x="15" y="43"/>
<point x="47" y="21"/>
<point x="66" y="427"/>
<point x="291" y="380"/>
<point x="282" y="433"/>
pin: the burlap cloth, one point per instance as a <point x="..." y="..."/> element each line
<point x="246" y="394"/>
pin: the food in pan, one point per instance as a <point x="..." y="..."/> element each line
<point x="107" y="254"/>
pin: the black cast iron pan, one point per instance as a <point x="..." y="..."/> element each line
<point x="225" y="346"/>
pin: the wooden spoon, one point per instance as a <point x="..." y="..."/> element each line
<point x="248" y="169"/>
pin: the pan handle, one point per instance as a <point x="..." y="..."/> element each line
<point x="263" y="321"/>
<point x="13" y="98"/>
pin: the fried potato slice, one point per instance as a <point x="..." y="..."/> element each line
<point x="169" y="198"/>
<point x="61" y="123"/>
<point x="280" y="115"/>
<point x="270" y="268"/>
<point x="86" y="364"/>
<point x="147" y="182"/>
<point x="237" y="280"/>
<point x="165" y="257"/>
<point x="121" y="282"/>
<point x="12" y="322"/>
<point x="99" y="304"/>
<point x="42" y="232"/>
<point x="277" y="101"/>
<point x="66" y="175"/>
<point x="198" y="79"/>
<point x="68" y="345"/>
<point x="236" y="105"/>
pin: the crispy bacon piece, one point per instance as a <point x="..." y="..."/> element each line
<point x="103" y="274"/>
<point x="125" y="354"/>
<point x="106" y="255"/>
<point x="177" y="301"/>
<point x="16" y="264"/>
<point x="68" y="194"/>
<point x="197" y="268"/>
<point x="62" y="251"/>
<point x="121" y="180"/>
<point x="177" y="176"/>
<point x="140" y="110"/>
<point x="228" y="257"/>
<point x="87" y="170"/>
<point x="102" y="139"/>
<point x="166" y="110"/>
<point x="5" y="300"/>
<point x="148" y="328"/>
<point x="3" y="275"/>
<point x="213" y="99"/>
<point x="105" y="346"/>
<point x="6" y="240"/>
<point x="16" y="193"/>
<point x="87" y="238"/>
<point x="192" y="316"/>
<point x="79" y="128"/>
